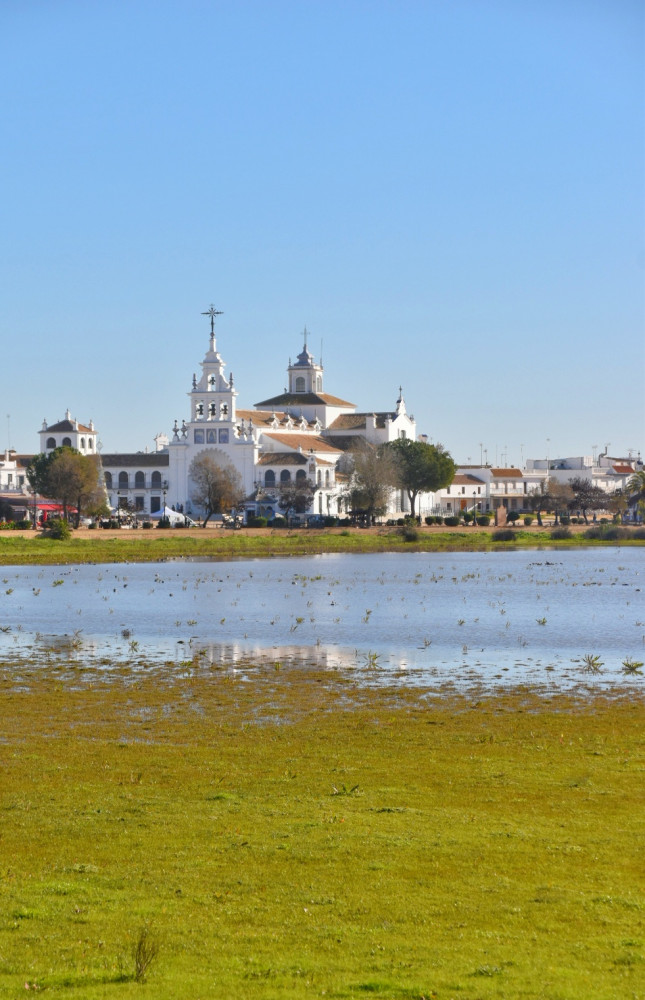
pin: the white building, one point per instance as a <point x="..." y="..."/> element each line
<point x="298" y="434"/>
<point x="68" y="432"/>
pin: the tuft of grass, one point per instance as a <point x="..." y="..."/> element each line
<point x="144" y="952"/>
<point x="592" y="664"/>
<point x="631" y="666"/>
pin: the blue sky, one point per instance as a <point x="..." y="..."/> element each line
<point x="449" y="195"/>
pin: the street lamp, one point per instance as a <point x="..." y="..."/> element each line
<point x="165" y="490"/>
<point x="474" y="509"/>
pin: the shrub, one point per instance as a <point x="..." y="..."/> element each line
<point x="330" y="522"/>
<point x="256" y="522"/>
<point x="561" y="533"/>
<point x="483" y="520"/>
<point x="144" y="952"/>
<point x="565" y="519"/>
<point x="451" y="521"/>
<point x="504" y="535"/>
<point x="147" y="524"/>
<point x="429" y="520"/>
<point x="279" y="522"/>
<point x="528" y="520"/>
<point x="468" y="516"/>
<point x="57" y="528"/>
<point x="409" y="532"/>
<point x="163" y="522"/>
<point x="512" y="516"/>
<point x="609" y="532"/>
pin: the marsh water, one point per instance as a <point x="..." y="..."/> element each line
<point x="509" y="617"/>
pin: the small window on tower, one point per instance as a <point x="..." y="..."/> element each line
<point x="300" y="384"/>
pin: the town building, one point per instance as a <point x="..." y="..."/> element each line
<point x="301" y="433"/>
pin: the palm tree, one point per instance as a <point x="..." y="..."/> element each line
<point x="636" y="491"/>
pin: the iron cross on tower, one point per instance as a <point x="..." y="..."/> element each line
<point x="213" y="312"/>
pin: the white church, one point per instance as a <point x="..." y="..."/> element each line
<point x="299" y="434"/>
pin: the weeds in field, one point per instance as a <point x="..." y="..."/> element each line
<point x="592" y="664"/>
<point x="144" y="952"/>
<point x="631" y="666"/>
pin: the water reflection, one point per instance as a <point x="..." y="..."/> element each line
<point x="495" y="617"/>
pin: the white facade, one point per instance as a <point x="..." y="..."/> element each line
<point x="68" y="432"/>
<point x="299" y="434"/>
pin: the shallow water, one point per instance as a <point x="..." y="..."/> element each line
<point x="509" y="617"/>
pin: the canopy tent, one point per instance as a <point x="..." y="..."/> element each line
<point x="172" y="516"/>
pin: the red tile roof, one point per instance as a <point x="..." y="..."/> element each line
<point x="295" y="440"/>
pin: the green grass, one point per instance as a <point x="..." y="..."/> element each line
<point x="144" y="546"/>
<point x="304" y="835"/>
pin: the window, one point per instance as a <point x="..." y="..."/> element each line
<point x="285" y="476"/>
<point x="67" y="442"/>
<point x="155" y="505"/>
<point x="198" y="437"/>
<point x="89" y="444"/>
<point x="108" y="480"/>
<point x="10" y="479"/>
<point x="269" y="478"/>
<point x="156" y="481"/>
<point x="51" y="442"/>
<point x="139" y="481"/>
<point x="138" y="503"/>
<point x="300" y="384"/>
<point x="326" y="477"/>
<point x="300" y="475"/>
<point x="223" y="436"/>
<point x="123" y="480"/>
<point x="82" y="444"/>
<point x="211" y="437"/>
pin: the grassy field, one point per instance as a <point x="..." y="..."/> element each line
<point x="306" y="835"/>
<point x="85" y="546"/>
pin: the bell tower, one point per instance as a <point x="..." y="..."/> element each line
<point x="213" y="396"/>
<point x="305" y="376"/>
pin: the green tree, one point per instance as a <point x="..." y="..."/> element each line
<point x="420" y="468"/>
<point x="66" y="476"/>
<point x="636" y="491"/>
<point x="217" y="486"/>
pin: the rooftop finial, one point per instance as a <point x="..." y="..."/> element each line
<point x="213" y="312"/>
